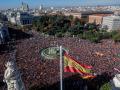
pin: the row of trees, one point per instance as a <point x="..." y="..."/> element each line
<point x="60" y="25"/>
<point x="97" y="36"/>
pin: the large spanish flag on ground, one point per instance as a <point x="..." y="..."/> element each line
<point x="71" y="65"/>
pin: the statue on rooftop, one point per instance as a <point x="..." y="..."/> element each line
<point x="115" y="82"/>
<point x="12" y="77"/>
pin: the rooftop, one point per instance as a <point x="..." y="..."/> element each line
<point x="101" y="15"/>
<point x="114" y="17"/>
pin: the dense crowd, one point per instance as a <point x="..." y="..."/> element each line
<point x="39" y="73"/>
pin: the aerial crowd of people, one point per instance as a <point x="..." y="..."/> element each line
<point x="40" y="73"/>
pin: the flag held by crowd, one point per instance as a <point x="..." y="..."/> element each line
<point x="72" y="65"/>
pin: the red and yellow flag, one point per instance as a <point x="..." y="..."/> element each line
<point x="89" y="76"/>
<point x="71" y="65"/>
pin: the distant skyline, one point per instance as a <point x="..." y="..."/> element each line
<point x="4" y="4"/>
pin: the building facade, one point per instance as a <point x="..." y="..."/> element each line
<point x="12" y="17"/>
<point x="75" y="15"/>
<point x="111" y="23"/>
<point x="4" y="34"/>
<point x="97" y="18"/>
<point x="20" y="18"/>
<point x="23" y="18"/>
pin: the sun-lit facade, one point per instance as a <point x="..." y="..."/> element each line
<point x="111" y="22"/>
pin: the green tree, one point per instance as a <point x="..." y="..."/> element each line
<point x="116" y="37"/>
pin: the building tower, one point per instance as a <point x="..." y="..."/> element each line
<point x="41" y="7"/>
<point x="24" y="7"/>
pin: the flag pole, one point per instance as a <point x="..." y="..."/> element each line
<point x="61" y="69"/>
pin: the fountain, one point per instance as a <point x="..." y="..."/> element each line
<point x="51" y="52"/>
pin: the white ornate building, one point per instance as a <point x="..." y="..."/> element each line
<point x="111" y="22"/>
<point x="20" y="18"/>
<point x="11" y="17"/>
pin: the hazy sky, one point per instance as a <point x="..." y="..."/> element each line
<point x="37" y="3"/>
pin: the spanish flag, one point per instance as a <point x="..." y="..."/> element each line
<point x="89" y="76"/>
<point x="71" y="65"/>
